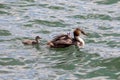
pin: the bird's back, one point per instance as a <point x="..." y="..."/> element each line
<point x="28" y="42"/>
<point x="62" y="41"/>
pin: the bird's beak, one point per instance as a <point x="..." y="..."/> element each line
<point x="83" y="32"/>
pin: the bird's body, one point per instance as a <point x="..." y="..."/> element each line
<point x="31" y="42"/>
<point x="65" y="40"/>
<point x="59" y="41"/>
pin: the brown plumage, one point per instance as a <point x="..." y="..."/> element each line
<point x="78" y="32"/>
<point x="65" y="40"/>
<point x="31" y="42"/>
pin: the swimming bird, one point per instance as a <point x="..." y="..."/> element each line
<point x="65" y="40"/>
<point x="32" y="42"/>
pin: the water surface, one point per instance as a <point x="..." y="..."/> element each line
<point x="25" y="19"/>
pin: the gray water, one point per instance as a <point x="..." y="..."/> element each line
<point x="25" y="19"/>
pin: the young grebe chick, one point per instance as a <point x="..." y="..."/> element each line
<point x="32" y="42"/>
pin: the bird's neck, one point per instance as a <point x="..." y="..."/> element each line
<point x="37" y="40"/>
<point x="77" y="38"/>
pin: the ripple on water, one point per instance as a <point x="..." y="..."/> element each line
<point x="49" y="23"/>
<point x="4" y="33"/>
<point x="107" y="2"/>
<point x="3" y="6"/>
<point x="24" y="19"/>
<point x="93" y="16"/>
<point x="56" y="7"/>
<point x="4" y="12"/>
<point x="4" y="9"/>
<point x="105" y="27"/>
<point x="10" y="61"/>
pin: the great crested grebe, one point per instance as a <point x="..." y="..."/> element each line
<point x="65" y="40"/>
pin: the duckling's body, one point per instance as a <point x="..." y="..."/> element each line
<point x="32" y="42"/>
<point x="65" y="40"/>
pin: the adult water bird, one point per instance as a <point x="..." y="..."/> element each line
<point x="65" y="40"/>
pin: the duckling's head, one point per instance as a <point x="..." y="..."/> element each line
<point x="78" y="32"/>
<point x="37" y="38"/>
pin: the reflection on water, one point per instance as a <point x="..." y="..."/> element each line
<point x="25" y="19"/>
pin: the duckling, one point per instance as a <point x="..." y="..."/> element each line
<point x="65" y="40"/>
<point x="32" y="42"/>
